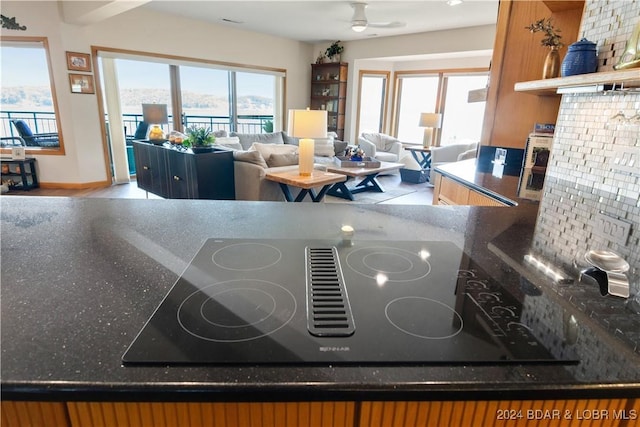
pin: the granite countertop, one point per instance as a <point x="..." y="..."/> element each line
<point x="480" y="177"/>
<point x="80" y="277"/>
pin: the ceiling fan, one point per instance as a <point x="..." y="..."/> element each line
<point x="360" y="23"/>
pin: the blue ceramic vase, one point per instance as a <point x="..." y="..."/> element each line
<point x="582" y="58"/>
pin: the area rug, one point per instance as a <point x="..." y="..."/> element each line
<point x="391" y="184"/>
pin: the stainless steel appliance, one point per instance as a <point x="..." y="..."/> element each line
<point x="333" y="302"/>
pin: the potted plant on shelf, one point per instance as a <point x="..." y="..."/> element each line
<point x="551" y="40"/>
<point x="333" y="52"/>
<point x="199" y="139"/>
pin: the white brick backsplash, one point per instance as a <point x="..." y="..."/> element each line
<point x="581" y="181"/>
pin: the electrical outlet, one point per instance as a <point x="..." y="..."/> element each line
<point x="612" y="229"/>
<point x="626" y="159"/>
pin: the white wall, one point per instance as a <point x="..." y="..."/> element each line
<point x="155" y="32"/>
<point x="146" y="31"/>
<point x="451" y="49"/>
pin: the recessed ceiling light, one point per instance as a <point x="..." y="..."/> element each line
<point x="454" y="2"/>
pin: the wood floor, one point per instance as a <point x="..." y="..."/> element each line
<point x="417" y="194"/>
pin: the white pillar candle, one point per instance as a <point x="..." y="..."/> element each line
<point x="305" y="156"/>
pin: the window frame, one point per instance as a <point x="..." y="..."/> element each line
<point x="56" y="151"/>
<point x="385" y="101"/>
<point x="442" y="75"/>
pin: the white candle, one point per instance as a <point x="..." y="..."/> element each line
<point x="305" y="153"/>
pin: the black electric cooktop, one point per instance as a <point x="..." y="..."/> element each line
<point x="331" y="302"/>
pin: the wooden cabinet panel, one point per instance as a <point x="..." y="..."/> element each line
<point x="453" y="192"/>
<point x="449" y="192"/>
<point x="515" y="413"/>
<point x="34" y="414"/>
<point x="263" y="414"/>
<point x="479" y="199"/>
<point x="518" y="56"/>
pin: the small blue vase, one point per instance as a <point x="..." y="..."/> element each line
<point x="582" y="58"/>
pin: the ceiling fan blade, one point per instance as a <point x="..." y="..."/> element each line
<point x="394" y="24"/>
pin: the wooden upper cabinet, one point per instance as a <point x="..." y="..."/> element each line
<point x="518" y="56"/>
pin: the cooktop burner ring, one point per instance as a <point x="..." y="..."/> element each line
<point x="269" y="298"/>
<point x="239" y="256"/>
<point x="236" y="310"/>
<point x="397" y="314"/>
<point x="397" y="265"/>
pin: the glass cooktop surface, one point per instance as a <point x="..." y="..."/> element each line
<point x="331" y="302"/>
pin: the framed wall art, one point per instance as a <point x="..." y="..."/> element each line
<point x="81" y="83"/>
<point x="78" y="61"/>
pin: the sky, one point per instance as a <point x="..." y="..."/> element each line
<point x="33" y="70"/>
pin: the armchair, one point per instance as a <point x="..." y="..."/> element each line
<point x="381" y="146"/>
<point x="451" y="153"/>
<point x="38" y="139"/>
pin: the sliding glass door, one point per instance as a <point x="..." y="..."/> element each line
<point x="142" y="82"/>
<point x="205" y="97"/>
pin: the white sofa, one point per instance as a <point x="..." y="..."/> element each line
<point x="451" y="153"/>
<point x="256" y="154"/>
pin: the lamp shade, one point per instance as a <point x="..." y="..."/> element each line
<point x="307" y="123"/>
<point x="430" y="120"/>
<point x="155" y="113"/>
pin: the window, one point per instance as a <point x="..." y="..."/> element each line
<point x="197" y="93"/>
<point x="255" y="102"/>
<point x="445" y="93"/>
<point x="372" y="101"/>
<point x="140" y="83"/>
<point x="28" y="95"/>
<point x="461" y="119"/>
<point x="417" y="94"/>
<point x="205" y="97"/>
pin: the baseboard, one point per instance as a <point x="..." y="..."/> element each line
<point x="74" y="185"/>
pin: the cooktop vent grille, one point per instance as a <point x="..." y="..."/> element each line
<point x="328" y="308"/>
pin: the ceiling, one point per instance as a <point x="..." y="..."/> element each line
<point x="329" y="20"/>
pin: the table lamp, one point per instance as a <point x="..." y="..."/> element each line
<point x="307" y="124"/>
<point x="429" y="121"/>
<point x="155" y="115"/>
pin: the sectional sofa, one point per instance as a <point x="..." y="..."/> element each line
<point x="256" y="154"/>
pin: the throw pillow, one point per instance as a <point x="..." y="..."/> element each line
<point x="323" y="147"/>
<point x="339" y="147"/>
<point x="288" y="159"/>
<point x="250" y="157"/>
<point x="220" y="133"/>
<point x="246" y="139"/>
<point x="290" y="139"/>
<point x="230" y="142"/>
<point x="266" y="150"/>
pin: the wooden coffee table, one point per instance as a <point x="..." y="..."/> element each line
<point x="369" y="183"/>
<point x="305" y="183"/>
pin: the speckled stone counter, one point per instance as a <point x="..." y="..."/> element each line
<point x="479" y="177"/>
<point x="80" y="277"/>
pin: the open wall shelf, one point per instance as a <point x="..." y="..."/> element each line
<point x="623" y="78"/>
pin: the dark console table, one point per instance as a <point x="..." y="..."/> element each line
<point x="178" y="173"/>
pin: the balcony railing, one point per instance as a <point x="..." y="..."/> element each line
<point x="45" y="122"/>
<point x="38" y="121"/>
<point x="247" y="123"/>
